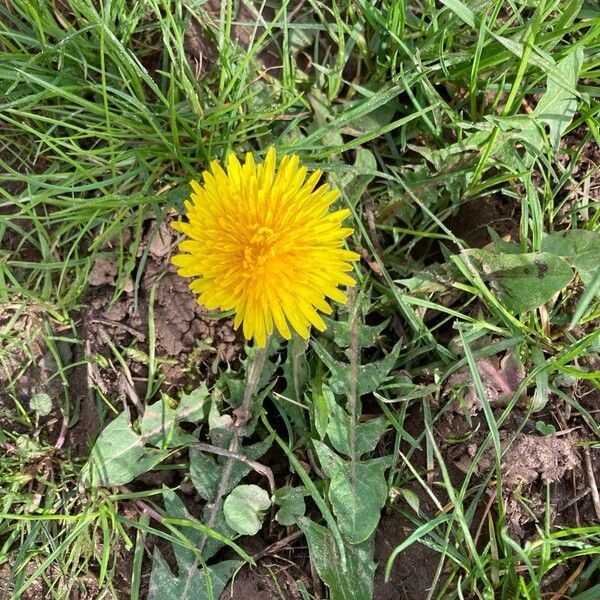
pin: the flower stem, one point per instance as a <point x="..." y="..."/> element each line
<point x="244" y="412"/>
<point x="243" y="415"/>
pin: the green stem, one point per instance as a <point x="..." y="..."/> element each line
<point x="244" y="412"/>
<point x="243" y="416"/>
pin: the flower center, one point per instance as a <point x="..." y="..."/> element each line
<point x="259" y="249"/>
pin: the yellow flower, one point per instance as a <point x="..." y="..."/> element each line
<point x="262" y="242"/>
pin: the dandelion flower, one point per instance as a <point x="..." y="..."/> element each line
<point x="261" y="241"/>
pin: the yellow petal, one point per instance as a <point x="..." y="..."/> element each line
<point x="259" y="240"/>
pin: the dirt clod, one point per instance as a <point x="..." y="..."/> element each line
<point x="534" y="457"/>
<point x="104" y="272"/>
<point x="500" y="380"/>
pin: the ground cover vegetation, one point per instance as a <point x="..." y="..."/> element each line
<point x="439" y="439"/>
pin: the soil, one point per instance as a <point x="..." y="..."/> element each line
<point x="414" y="569"/>
<point x="268" y="580"/>
<point x="201" y="48"/>
<point x="583" y="187"/>
<point x="477" y="215"/>
<point x="547" y="448"/>
<point x="189" y="343"/>
<point x="84" y="588"/>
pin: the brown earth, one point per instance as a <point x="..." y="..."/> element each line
<point x="189" y="344"/>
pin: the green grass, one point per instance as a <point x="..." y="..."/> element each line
<point x="414" y="110"/>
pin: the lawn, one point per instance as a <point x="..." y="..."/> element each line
<point x="438" y="439"/>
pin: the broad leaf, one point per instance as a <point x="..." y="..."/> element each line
<point x="367" y="334"/>
<point x="340" y="430"/>
<point x="523" y="281"/>
<point x="177" y="196"/>
<point x="291" y="501"/>
<point x="320" y="412"/>
<point x="239" y="470"/>
<point x="176" y="509"/>
<point x="558" y="105"/>
<point x="580" y="246"/>
<point x="412" y="499"/>
<point x="232" y="388"/>
<point x="373" y="121"/>
<point x="369" y="376"/>
<point x="159" y="426"/>
<point x="356" y="181"/>
<point x="119" y="455"/>
<point x="357" y="492"/>
<point x="193" y="407"/>
<point x="41" y="404"/>
<point x="296" y="373"/>
<point x="216" y="520"/>
<point x="213" y="474"/>
<point x="206" y="470"/>
<point x="321" y="129"/>
<point x="354" y="583"/>
<point x="205" y="474"/>
<point x="295" y="367"/>
<point x="192" y="583"/>
<point x="220" y="426"/>
<point x="555" y="111"/>
<point x="244" y="509"/>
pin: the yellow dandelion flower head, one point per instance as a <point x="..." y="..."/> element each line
<point x="262" y="241"/>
